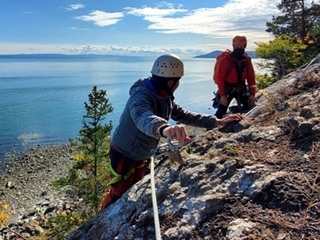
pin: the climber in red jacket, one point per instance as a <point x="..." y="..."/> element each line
<point x="231" y="73"/>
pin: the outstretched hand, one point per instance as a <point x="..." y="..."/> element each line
<point x="230" y="118"/>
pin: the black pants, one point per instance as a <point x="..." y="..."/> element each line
<point x="222" y="110"/>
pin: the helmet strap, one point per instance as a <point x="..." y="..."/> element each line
<point x="175" y="80"/>
<point x="161" y="84"/>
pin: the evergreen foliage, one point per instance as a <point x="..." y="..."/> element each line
<point x="297" y="37"/>
<point x="297" y="20"/>
<point x="90" y="172"/>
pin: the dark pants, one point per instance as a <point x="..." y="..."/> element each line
<point x="243" y="97"/>
<point x="122" y="165"/>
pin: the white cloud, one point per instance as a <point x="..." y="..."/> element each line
<point x="24" y="48"/>
<point x="102" y="18"/>
<point x="80" y="29"/>
<point x="235" y="17"/>
<point x="148" y="13"/>
<point x="73" y="7"/>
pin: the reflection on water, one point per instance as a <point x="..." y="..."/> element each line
<point x="42" y="100"/>
<point x="26" y="137"/>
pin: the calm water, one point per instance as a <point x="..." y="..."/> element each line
<point x="41" y="99"/>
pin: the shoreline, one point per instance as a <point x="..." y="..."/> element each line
<point x="25" y="180"/>
<point x="27" y="175"/>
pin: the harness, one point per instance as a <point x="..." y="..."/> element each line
<point x="118" y="177"/>
<point x="240" y="86"/>
<point x="124" y="175"/>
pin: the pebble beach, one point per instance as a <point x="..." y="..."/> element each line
<point x="25" y="184"/>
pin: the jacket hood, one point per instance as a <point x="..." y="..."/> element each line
<point x="137" y="86"/>
<point x="141" y="87"/>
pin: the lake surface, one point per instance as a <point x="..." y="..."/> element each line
<point x="42" y="98"/>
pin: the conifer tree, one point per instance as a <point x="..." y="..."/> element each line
<point x="90" y="172"/>
<point x="297" y="19"/>
<point x="300" y="19"/>
<point x="297" y="37"/>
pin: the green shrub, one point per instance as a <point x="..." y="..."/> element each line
<point x="264" y="81"/>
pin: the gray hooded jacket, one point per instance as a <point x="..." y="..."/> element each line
<point x="135" y="136"/>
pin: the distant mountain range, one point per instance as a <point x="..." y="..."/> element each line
<point x="214" y="54"/>
<point x="56" y="55"/>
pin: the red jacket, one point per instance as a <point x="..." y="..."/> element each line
<point x="228" y="73"/>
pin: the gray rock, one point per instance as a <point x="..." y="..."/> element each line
<point x="10" y="185"/>
<point x="305" y="129"/>
<point x="239" y="229"/>
<point x="306" y="112"/>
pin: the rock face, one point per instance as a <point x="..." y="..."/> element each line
<point x="257" y="179"/>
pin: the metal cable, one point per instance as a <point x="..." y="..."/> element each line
<point x="178" y="158"/>
<point x="154" y="201"/>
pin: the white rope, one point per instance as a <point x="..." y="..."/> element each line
<point x="154" y="202"/>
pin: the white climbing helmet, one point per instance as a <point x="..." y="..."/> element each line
<point x="168" y="66"/>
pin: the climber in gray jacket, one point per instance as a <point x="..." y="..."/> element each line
<point x="145" y="119"/>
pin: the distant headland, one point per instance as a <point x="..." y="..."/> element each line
<point x="214" y="54"/>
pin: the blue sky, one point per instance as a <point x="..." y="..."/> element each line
<point x="131" y="27"/>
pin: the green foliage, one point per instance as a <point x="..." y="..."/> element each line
<point x="264" y="80"/>
<point x="232" y="151"/>
<point x="285" y="52"/>
<point x="90" y="171"/>
<point x="63" y="223"/>
<point x="297" y="32"/>
<point x="297" y="19"/>
<point x="91" y="167"/>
